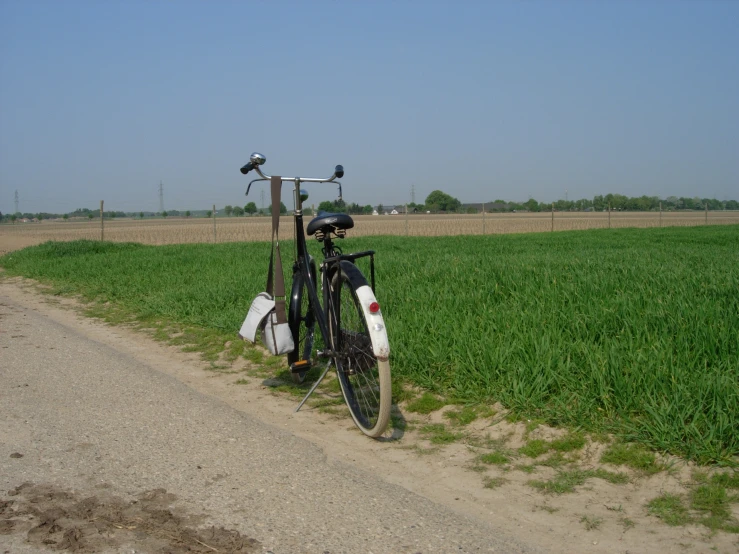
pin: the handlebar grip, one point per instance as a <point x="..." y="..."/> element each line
<point x="247" y="168"/>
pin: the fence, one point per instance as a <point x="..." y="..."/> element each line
<point x="194" y="230"/>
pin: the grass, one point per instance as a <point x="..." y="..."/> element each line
<point x="494" y="458"/>
<point x="591" y="522"/>
<point x="493" y="482"/>
<point x="670" y="509"/>
<point x="632" y="455"/>
<point x="566" y="481"/>
<point x="425" y="404"/>
<point x="632" y="332"/>
<point x="535" y="448"/>
<point x="465" y="416"/>
<point x="708" y="504"/>
<point x="437" y="433"/>
<point x="569" y="443"/>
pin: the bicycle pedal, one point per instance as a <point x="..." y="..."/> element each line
<point x="301" y="366"/>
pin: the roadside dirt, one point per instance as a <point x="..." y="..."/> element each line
<point x="598" y="517"/>
<point x="62" y="520"/>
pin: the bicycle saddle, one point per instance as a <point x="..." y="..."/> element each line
<point x="334" y="221"/>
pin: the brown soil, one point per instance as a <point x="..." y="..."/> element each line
<point x="61" y="520"/>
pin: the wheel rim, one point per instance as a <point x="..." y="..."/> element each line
<point x="357" y="365"/>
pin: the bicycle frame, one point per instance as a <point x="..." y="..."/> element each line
<point x="332" y="259"/>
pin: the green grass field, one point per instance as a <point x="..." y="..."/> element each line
<point x="629" y="331"/>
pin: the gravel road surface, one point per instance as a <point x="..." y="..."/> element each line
<point x="100" y="452"/>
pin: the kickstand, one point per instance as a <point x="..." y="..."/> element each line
<point x="325" y="371"/>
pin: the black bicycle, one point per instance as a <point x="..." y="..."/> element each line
<point x="349" y="319"/>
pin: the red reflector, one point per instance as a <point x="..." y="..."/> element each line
<point x="374" y="308"/>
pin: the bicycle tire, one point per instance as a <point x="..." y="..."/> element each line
<point x="302" y="323"/>
<point x="361" y="350"/>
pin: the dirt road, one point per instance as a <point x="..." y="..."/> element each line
<point x="103" y="450"/>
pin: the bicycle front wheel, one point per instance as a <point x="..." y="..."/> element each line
<point x="361" y="350"/>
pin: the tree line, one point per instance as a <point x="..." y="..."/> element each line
<point x="439" y="201"/>
<point x="436" y="202"/>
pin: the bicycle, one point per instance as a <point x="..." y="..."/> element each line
<point x="349" y="319"/>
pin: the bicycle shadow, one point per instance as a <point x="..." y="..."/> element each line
<point x="329" y="399"/>
<point x="399" y="424"/>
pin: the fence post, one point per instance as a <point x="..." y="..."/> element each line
<point x="215" y="237"/>
<point x="483" y="218"/>
<point x="706" y="213"/>
<point x="102" y="224"/>
<point x="660" y="214"/>
<point x="406" y="220"/>
<point x="609" y="215"/>
<point x="552" y="217"/>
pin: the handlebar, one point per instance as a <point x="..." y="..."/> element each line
<point x="257" y="159"/>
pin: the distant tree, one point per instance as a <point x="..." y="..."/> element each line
<point x="250" y="208"/>
<point x="65" y="217"/>
<point x="89" y="216"/>
<point x="380" y="209"/>
<point x="714" y="204"/>
<point x="283" y="209"/>
<point x="326" y="206"/>
<point x="164" y="214"/>
<point x="141" y="215"/>
<point x="238" y="211"/>
<point x="686" y="203"/>
<point x="209" y="213"/>
<point x="13" y="218"/>
<point x="187" y="213"/>
<point x="354" y="208"/>
<point x="583" y="204"/>
<point x="564" y="205"/>
<point x="532" y="205"/>
<point x="670" y="202"/>
<point x="443" y="202"/>
<point x="731" y="205"/>
<point x="229" y="210"/>
<point x="367" y="210"/>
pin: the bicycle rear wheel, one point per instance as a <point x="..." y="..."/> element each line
<point x="362" y="351"/>
<point x="302" y="325"/>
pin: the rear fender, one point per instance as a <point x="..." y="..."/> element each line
<point x="375" y="321"/>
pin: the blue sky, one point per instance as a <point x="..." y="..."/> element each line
<point x="102" y="100"/>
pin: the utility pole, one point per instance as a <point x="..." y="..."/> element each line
<point x="413" y="194"/>
<point x="262" y="195"/>
<point x="161" y="197"/>
<point x="16" y="201"/>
